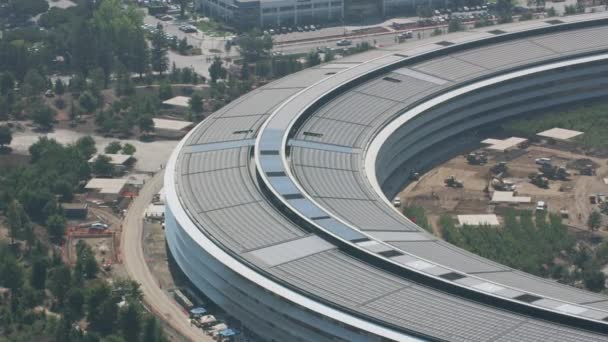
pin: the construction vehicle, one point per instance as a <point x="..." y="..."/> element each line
<point x="539" y="180"/>
<point x="477" y="158"/>
<point x="554" y="172"/>
<point x="501" y="167"/>
<point x="588" y="170"/>
<point x="500" y="184"/>
<point x="452" y="182"/>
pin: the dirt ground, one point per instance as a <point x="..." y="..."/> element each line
<point x="571" y="195"/>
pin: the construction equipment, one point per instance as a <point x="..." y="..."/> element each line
<point x="500" y="184"/>
<point x="588" y="170"/>
<point x="539" y="180"/>
<point x="501" y="167"/>
<point x="554" y="172"/>
<point x="477" y="158"/>
<point x="453" y="182"/>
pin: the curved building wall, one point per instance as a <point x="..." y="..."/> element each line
<point x="407" y="150"/>
<point x="319" y="299"/>
<point x="267" y="314"/>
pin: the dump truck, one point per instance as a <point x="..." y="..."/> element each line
<point x="453" y="182"/>
<point x="539" y="180"/>
<point x="554" y="172"/>
<point x="501" y="167"/>
<point x="500" y="184"/>
<point x="588" y="170"/>
<point x="477" y="158"/>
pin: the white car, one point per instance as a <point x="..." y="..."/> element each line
<point x="99" y="225"/>
<point x="397" y="202"/>
<point x="542" y="161"/>
<point x="541" y="206"/>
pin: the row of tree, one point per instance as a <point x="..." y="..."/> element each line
<point x="534" y="243"/>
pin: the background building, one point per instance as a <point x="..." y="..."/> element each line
<point x="266" y="13"/>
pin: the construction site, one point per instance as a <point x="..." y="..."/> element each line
<point x="549" y="175"/>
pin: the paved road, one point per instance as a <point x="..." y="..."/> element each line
<point x="133" y="258"/>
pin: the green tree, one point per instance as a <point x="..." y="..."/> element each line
<point x="128" y="149"/>
<point x="74" y="304"/>
<point x="17" y="219"/>
<point x="27" y="8"/>
<point x="60" y="282"/>
<point x="455" y="25"/>
<point x="594" y="280"/>
<point x="6" y="136"/>
<point x="38" y="274"/>
<point x="329" y="55"/>
<point x="158" y="55"/>
<point x="313" y="59"/>
<point x="152" y="332"/>
<point x="102" y="166"/>
<point x="87" y="101"/>
<point x="182" y="46"/>
<point x="101" y="308"/>
<point x="217" y="70"/>
<point x="59" y="87"/>
<point x="196" y="103"/>
<point x="595" y="220"/>
<point x="33" y="83"/>
<point x="146" y="124"/>
<point x="165" y="91"/>
<point x="504" y="9"/>
<point x="86" y="147"/>
<point x="129" y="321"/>
<point x="113" y="147"/>
<point x="7" y="83"/>
<point x="11" y="273"/>
<point x="64" y="189"/>
<point x="253" y="45"/>
<point x="42" y="115"/>
<point x="86" y="260"/>
<point x="182" y="7"/>
<point x="55" y="225"/>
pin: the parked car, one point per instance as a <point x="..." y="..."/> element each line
<point x="542" y="161"/>
<point x="397" y="202"/>
<point x="99" y="225"/>
<point x="344" y="42"/>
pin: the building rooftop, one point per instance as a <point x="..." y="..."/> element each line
<point x="171" y="125"/>
<point x="478" y="220"/>
<point x="560" y="133"/>
<point x="107" y="185"/>
<point x="509" y="197"/>
<point x="503" y="145"/>
<point x="115" y="159"/>
<point x="324" y="183"/>
<point x="178" y="101"/>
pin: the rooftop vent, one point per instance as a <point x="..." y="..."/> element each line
<point x="444" y="43"/>
<point x="452" y="276"/>
<point x="390" y="79"/>
<point x="497" y="32"/>
<point x="528" y="298"/>
<point x="313" y="134"/>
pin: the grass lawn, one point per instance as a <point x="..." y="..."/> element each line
<point x="213" y="28"/>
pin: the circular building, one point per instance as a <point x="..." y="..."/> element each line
<point x="277" y="204"/>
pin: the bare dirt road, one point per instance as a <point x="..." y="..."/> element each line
<point x="133" y="258"/>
